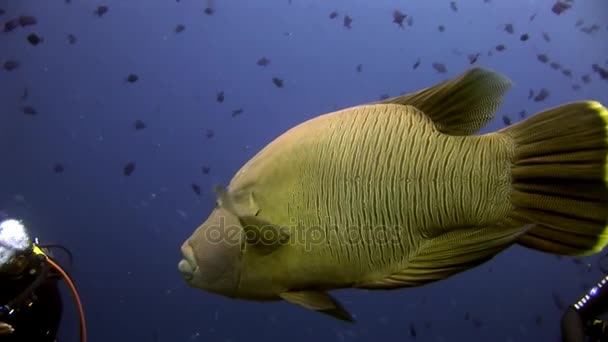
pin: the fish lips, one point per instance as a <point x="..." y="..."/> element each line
<point x="187" y="266"/>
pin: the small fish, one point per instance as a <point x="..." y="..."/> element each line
<point x="11" y="25"/>
<point x="359" y="67"/>
<point x="58" y="168"/>
<point x="209" y="11"/>
<point x="384" y="97"/>
<point x="210" y="133"/>
<point x="555" y="65"/>
<point x="590" y="29"/>
<point x="10" y="65"/>
<point x="579" y="23"/>
<point x="416" y="64"/>
<point x="602" y="72"/>
<point x="532" y="17"/>
<point x="348" y="21"/>
<point x="453" y="6"/>
<point x="398" y="17"/>
<point x="542" y="95"/>
<point x="205" y="170"/>
<point x="196" y="188"/>
<point x="27" y="20"/>
<point x="441" y="28"/>
<point x="567" y="73"/>
<point x="500" y="47"/>
<point x="576" y="87"/>
<point x="139" y="124"/>
<point x="524" y="37"/>
<point x="29" y="110"/>
<point x="333" y="15"/>
<point x="473" y="57"/>
<point x="219" y="97"/>
<point x="26" y="94"/>
<point x="542" y="58"/>
<point x="2" y="11"/>
<point x="440" y="67"/>
<point x="128" y="168"/>
<point x="506" y="120"/>
<point x="179" y="28"/>
<point x="132" y="78"/>
<point x="530" y="94"/>
<point x="277" y="82"/>
<point x="34" y="39"/>
<point x="413" y="332"/>
<point x="509" y="28"/>
<point x="71" y="39"/>
<point x="263" y="61"/>
<point x="538" y="321"/>
<point x="586" y="78"/>
<point x="522" y="114"/>
<point x="237" y="112"/>
<point x="546" y="37"/>
<point x="560" y="7"/>
<point x="101" y="10"/>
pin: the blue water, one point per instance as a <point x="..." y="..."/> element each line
<point x="125" y="231"/>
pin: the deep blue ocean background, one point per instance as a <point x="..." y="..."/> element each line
<point x="125" y="231"/>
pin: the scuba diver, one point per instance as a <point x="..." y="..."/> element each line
<point x="30" y="300"/>
<point x="581" y="321"/>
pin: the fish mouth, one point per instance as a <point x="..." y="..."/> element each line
<point x="187" y="266"/>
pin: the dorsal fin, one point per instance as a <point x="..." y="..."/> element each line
<point x="462" y="105"/>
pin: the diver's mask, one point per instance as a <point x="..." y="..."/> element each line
<point x="16" y="248"/>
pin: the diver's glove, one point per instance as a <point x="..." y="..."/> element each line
<point x="6" y="329"/>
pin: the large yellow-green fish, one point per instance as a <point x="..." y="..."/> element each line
<point x="400" y="193"/>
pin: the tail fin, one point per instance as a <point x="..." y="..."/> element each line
<point x="560" y="178"/>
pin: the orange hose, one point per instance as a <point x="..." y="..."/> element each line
<point x="68" y="280"/>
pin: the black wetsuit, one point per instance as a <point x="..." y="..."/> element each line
<point x="581" y="319"/>
<point x="38" y="322"/>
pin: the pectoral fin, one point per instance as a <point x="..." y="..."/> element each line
<point x="262" y="235"/>
<point x="320" y="302"/>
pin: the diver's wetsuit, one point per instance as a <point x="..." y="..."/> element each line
<point x="40" y="321"/>
<point x="580" y="319"/>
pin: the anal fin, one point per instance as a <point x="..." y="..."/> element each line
<point x="449" y="254"/>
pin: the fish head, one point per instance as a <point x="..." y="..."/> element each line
<point x="211" y="256"/>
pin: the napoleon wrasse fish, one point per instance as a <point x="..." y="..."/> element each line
<point x="400" y="193"/>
